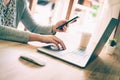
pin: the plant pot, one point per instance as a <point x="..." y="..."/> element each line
<point x="110" y="49"/>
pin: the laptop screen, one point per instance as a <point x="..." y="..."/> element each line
<point x="96" y="48"/>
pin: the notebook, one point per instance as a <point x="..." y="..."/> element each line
<point x="81" y="57"/>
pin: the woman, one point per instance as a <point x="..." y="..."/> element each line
<point x="14" y="11"/>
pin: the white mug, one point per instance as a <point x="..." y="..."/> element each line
<point x="85" y="38"/>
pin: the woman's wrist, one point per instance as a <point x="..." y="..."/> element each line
<point x="34" y="37"/>
<point x="53" y="29"/>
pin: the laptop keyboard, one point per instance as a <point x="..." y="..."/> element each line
<point x="78" y="55"/>
<point x="75" y="56"/>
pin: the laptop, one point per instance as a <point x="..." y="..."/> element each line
<point x="81" y="57"/>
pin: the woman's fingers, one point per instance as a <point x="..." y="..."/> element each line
<point x="64" y="28"/>
<point x="56" y="43"/>
<point x="59" y="23"/>
<point x="59" y="43"/>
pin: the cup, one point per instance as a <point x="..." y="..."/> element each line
<point x="85" y="38"/>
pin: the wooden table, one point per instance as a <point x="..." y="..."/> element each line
<point x="105" y="67"/>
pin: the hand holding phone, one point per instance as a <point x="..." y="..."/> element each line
<point x="61" y="26"/>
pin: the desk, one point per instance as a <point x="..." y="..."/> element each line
<point x="105" y="67"/>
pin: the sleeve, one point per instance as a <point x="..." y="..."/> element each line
<point x="32" y="26"/>
<point x="8" y="33"/>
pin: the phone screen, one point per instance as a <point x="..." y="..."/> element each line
<point x="61" y="26"/>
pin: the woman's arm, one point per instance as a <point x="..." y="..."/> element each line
<point x="31" y="25"/>
<point x="11" y="34"/>
<point x="8" y="33"/>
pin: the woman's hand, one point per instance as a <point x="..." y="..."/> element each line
<point x="47" y="39"/>
<point x="58" y="24"/>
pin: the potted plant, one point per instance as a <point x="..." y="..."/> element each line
<point x="112" y="45"/>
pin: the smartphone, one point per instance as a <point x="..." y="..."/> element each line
<point x="61" y="26"/>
